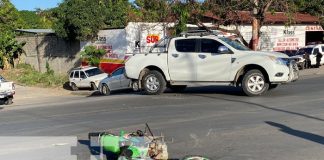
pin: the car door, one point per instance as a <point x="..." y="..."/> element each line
<point x="212" y="65"/>
<point x="322" y="51"/>
<point x="84" y="80"/>
<point x="124" y="81"/>
<point x="77" y="79"/>
<point x="182" y="59"/>
<point x="114" y="80"/>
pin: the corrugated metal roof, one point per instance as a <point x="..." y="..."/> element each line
<point x="36" y="31"/>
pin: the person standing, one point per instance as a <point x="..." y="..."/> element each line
<point x="318" y="58"/>
<point x="307" y="60"/>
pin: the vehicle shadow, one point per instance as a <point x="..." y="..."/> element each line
<point x="95" y="150"/>
<point x="226" y="90"/>
<point x="67" y="86"/>
<point x="297" y="133"/>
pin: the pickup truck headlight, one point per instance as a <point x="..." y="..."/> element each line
<point x="281" y="61"/>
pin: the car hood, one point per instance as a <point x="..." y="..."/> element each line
<point x="297" y="56"/>
<point x="99" y="76"/>
<point x="268" y="53"/>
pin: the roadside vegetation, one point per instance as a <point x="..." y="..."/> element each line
<point x="26" y="75"/>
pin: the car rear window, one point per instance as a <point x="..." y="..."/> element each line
<point x="71" y="74"/>
<point x="186" y="45"/>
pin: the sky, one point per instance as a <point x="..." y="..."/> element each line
<point x="32" y="4"/>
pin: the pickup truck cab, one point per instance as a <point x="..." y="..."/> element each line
<point x="207" y="59"/>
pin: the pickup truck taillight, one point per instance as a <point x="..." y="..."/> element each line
<point x="13" y="86"/>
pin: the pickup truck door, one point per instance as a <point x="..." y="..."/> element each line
<point x="212" y="66"/>
<point x="182" y="59"/>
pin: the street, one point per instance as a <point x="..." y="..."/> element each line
<point x="217" y="122"/>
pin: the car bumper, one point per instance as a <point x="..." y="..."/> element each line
<point x="293" y="72"/>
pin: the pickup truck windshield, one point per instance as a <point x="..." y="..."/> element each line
<point x="93" y="72"/>
<point x="235" y="44"/>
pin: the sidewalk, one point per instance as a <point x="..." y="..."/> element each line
<point x="308" y="73"/>
<point x="30" y="95"/>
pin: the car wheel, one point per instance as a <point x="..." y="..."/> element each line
<point x="273" y="86"/>
<point x="8" y="101"/>
<point x="302" y="66"/>
<point x="178" y="88"/>
<point x="135" y="86"/>
<point x="74" y="87"/>
<point x="93" y="86"/>
<point x="254" y="83"/>
<point x="105" y="90"/>
<point x="153" y="83"/>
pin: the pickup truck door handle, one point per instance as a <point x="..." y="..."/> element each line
<point x="175" y="55"/>
<point x="202" y="56"/>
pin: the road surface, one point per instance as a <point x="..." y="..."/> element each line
<point x="218" y="122"/>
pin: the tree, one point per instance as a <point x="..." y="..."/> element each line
<point x="228" y="12"/>
<point x="116" y="13"/>
<point x="82" y="19"/>
<point x="10" y="49"/>
<point x="151" y="10"/>
<point x="9" y="17"/>
<point x="35" y="19"/>
<point x="78" y="19"/>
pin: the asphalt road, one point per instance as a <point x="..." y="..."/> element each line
<point x="218" y="122"/>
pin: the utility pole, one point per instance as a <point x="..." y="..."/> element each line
<point x="255" y="25"/>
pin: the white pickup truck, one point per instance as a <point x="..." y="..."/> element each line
<point x="207" y="59"/>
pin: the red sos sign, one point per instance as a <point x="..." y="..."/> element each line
<point x="152" y="38"/>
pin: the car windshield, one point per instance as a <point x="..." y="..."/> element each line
<point x="304" y="50"/>
<point x="93" y="72"/>
<point x="235" y="44"/>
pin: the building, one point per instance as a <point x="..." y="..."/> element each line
<point x="276" y="35"/>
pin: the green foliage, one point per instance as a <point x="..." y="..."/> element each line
<point x="78" y="19"/>
<point x="82" y="19"/>
<point x="49" y="70"/>
<point x="10" y="49"/>
<point x="151" y="10"/>
<point x="9" y="17"/>
<point x="93" y="55"/>
<point x="25" y="74"/>
<point x="115" y="13"/>
<point x="35" y="19"/>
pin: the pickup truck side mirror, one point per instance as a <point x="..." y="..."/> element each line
<point x="224" y="50"/>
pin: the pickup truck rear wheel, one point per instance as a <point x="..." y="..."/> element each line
<point x="254" y="83"/>
<point x="153" y="83"/>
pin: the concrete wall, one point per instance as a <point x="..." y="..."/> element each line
<point x="61" y="55"/>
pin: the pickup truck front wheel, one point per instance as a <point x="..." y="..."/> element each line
<point x="254" y="83"/>
<point x="153" y="83"/>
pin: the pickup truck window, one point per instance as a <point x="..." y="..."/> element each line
<point x="209" y="46"/>
<point x="235" y="44"/>
<point x="186" y="45"/>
